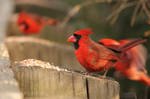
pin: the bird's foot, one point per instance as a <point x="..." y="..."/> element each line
<point x="105" y="73"/>
<point x="87" y="73"/>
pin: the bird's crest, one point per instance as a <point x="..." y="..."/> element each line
<point x="21" y="17"/>
<point x="86" y="31"/>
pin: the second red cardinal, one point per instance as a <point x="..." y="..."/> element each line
<point x="132" y="63"/>
<point x="32" y="24"/>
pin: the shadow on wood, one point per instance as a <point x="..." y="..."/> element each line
<point x="128" y="95"/>
<point x="21" y="48"/>
<point x="40" y="80"/>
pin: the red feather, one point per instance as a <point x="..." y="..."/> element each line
<point x="86" y="31"/>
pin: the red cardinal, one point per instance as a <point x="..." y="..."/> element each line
<point x="132" y="63"/>
<point x="93" y="56"/>
<point x="32" y="24"/>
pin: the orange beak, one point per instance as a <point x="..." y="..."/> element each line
<point x="72" y="39"/>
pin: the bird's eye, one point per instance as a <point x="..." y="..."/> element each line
<point x="77" y="36"/>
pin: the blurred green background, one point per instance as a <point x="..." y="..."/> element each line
<point x="93" y="15"/>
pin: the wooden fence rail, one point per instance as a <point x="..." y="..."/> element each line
<point x="21" y="48"/>
<point x="40" y="80"/>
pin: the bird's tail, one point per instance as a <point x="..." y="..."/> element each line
<point x="122" y="45"/>
<point x="131" y="44"/>
<point x="145" y="79"/>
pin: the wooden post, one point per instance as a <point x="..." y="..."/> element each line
<point x="6" y="9"/>
<point x="21" y="48"/>
<point x="9" y="88"/>
<point x="40" y="80"/>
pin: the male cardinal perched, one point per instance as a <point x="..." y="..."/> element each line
<point x="132" y="63"/>
<point x="93" y="56"/>
<point x="33" y="24"/>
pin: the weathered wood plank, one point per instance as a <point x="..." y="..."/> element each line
<point x="28" y="47"/>
<point x="9" y="88"/>
<point x="98" y="88"/>
<point x="40" y="79"/>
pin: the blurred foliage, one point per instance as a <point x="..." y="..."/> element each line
<point x="94" y="16"/>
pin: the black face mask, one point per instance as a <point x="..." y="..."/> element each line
<point x="26" y="25"/>
<point x="78" y="37"/>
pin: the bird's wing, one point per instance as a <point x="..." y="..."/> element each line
<point x="101" y="51"/>
<point x="100" y="56"/>
<point x="135" y="51"/>
<point x="109" y="43"/>
<point x="137" y="55"/>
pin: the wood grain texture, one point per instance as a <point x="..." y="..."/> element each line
<point x="55" y="83"/>
<point x="21" y="48"/>
<point x="9" y="88"/>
